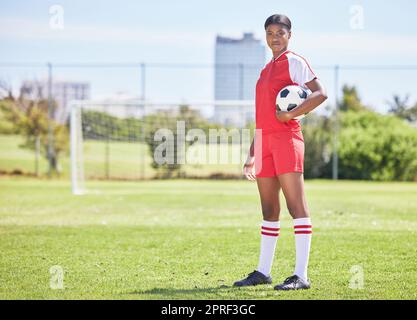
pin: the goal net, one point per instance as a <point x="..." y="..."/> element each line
<point x="139" y="140"/>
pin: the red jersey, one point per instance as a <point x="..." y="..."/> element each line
<point x="287" y="69"/>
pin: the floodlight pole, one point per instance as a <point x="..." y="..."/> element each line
<point x="143" y="78"/>
<point x="107" y="147"/>
<point x="335" y="161"/>
<point x="50" y="124"/>
<point x="142" y="131"/>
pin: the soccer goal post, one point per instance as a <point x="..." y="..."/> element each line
<point x="110" y="140"/>
<point x="76" y="150"/>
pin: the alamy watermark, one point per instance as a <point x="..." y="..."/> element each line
<point x="56" y="280"/>
<point x="219" y="146"/>
<point x="357" y="280"/>
<point x="56" y="17"/>
<point x="357" y="17"/>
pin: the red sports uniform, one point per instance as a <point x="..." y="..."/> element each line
<point x="279" y="146"/>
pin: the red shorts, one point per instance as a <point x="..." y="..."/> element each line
<point x="278" y="152"/>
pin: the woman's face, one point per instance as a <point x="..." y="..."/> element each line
<point x="277" y="37"/>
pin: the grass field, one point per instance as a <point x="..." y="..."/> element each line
<point x="189" y="239"/>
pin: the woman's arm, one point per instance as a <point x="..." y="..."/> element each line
<point x="318" y="95"/>
<point x="252" y="149"/>
<point x="248" y="167"/>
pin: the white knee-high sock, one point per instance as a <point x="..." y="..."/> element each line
<point x="269" y="237"/>
<point x="302" y="232"/>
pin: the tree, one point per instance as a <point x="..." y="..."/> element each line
<point x="29" y="117"/>
<point x="6" y="126"/>
<point x="400" y="108"/>
<point x="351" y="100"/>
<point x="6" y="92"/>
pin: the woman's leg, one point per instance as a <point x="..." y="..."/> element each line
<point x="269" y="195"/>
<point x="292" y="185"/>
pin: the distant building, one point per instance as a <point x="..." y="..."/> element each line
<point x="238" y="63"/>
<point x="63" y="93"/>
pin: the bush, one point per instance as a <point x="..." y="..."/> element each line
<point x="317" y="140"/>
<point x="376" y="147"/>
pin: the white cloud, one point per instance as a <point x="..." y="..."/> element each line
<point x="357" y="43"/>
<point x="338" y="44"/>
<point x="21" y="29"/>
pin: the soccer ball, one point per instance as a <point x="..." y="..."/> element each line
<point x="289" y="98"/>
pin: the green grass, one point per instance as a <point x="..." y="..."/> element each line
<point x="189" y="239"/>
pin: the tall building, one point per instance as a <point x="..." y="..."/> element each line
<point x="238" y="64"/>
<point x="63" y="93"/>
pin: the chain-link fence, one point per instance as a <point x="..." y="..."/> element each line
<point x="120" y="90"/>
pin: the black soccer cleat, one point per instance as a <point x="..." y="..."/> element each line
<point x="253" y="279"/>
<point x="293" y="283"/>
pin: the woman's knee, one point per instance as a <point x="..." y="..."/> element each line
<point x="270" y="214"/>
<point x="298" y="210"/>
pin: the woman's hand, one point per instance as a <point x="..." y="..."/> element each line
<point x="284" y="116"/>
<point x="249" y="169"/>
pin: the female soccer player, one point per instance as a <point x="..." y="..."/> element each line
<point x="276" y="156"/>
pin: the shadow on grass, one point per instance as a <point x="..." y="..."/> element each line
<point x="170" y="291"/>
<point x="199" y="293"/>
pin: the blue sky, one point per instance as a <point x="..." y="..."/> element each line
<point x="184" y="32"/>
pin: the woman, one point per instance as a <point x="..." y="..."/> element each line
<point x="276" y="156"/>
